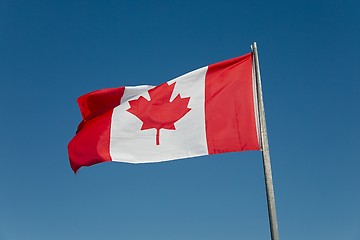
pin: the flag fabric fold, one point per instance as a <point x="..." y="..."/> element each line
<point x="207" y="111"/>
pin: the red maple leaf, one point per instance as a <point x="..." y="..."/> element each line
<point x="159" y="112"/>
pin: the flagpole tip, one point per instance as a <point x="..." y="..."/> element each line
<point x="253" y="46"/>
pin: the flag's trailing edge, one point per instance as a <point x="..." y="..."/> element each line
<point x="207" y="111"/>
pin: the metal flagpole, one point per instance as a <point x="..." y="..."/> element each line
<point x="265" y="151"/>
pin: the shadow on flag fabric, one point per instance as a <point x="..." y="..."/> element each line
<point x="207" y="111"/>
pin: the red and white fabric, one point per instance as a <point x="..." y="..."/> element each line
<point x="207" y="111"/>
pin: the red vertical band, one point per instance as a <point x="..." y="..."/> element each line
<point x="91" y="143"/>
<point x="229" y="106"/>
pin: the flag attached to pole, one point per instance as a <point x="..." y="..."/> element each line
<point x="207" y="111"/>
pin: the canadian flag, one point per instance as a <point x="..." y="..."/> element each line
<point x="207" y="111"/>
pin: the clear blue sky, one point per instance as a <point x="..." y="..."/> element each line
<point x="51" y="52"/>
